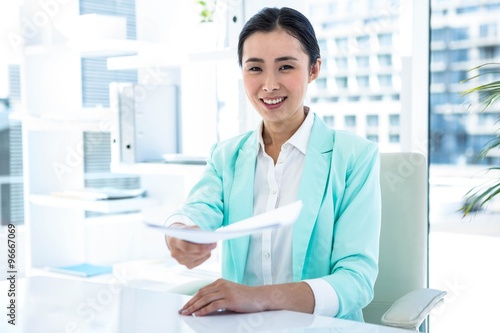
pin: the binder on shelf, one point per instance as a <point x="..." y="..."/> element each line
<point x="148" y="122"/>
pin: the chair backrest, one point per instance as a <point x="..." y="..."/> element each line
<point x="403" y="257"/>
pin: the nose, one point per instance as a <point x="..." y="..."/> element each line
<point x="270" y="82"/>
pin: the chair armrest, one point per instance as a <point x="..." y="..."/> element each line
<point x="411" y="310"/>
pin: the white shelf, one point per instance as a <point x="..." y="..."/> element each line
<point x="174" y="169"/>
<point x="167" y="58"/>
<point x="105" y="47"/>
<point x="102" y="206"/>
<point x="94" y="120"/>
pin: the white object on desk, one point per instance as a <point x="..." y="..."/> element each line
<point x="45" y="304"/>
<point x="276" y="218"/>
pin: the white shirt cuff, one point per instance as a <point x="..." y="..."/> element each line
<point x="179" y="219"/>
<point x="326" y="300"/>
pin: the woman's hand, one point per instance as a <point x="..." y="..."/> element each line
<point x="226" y="295"/>
<point x="189" y="254"/>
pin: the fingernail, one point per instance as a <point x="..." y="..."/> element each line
<point x="184" y="312"/>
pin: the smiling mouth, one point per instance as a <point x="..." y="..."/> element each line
<point x="274" y="101"/>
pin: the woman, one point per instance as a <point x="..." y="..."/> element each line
<point x="327" y="262"/>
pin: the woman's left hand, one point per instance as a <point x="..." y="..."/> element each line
<point x="225" y="295"/>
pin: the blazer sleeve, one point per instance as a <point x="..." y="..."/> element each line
<point x="204" y="205"/>
<point x="354" y="258"/>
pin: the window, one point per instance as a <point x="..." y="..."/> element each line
<point x="394" y="138"/>
<point x="488" y="30"/>
<point x="457" y="76"/>
<point x="459" y="55"/>
<point x="363" y="81"/>
<point x="385" y="80"/>
<point x="329" y="121"/>
<point x="323" y="45"/>
<point x="466" y="10"/>
<point x="385" y="60"/>
<point x="321" y="83"/>
<point x="438" y="77"/>
<point x="350" y="121"/>
<point x="342" y="43"/>
<point x="439" y="35"/>
<point x="363" y="61"/>
<point x="439" y="98"/>
<point x="341" y="62"/>
<point x="372" y="137"/>
<point x="394" y="120"/>
<point x="372" y="120"/>
<point x="385" y="39"/>
<point x="363" y="41"/>
<point x="458" y="34"/>
<point x="438" y="57"/>
<point x="489" y="52"/>
<point x="341" y="82"/>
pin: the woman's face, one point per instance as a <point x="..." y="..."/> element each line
<point x="276" y="72"/>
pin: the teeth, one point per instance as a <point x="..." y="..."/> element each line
<point x="273" y="101"/>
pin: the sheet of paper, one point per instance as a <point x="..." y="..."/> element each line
<point x="279" y="217"/>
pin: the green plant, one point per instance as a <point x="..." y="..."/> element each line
<point x="207" y="10"/>
<point x="488" y="94"/>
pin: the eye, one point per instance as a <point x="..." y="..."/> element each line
<point x="254" y="69"/>
<point x="285" y="67"/>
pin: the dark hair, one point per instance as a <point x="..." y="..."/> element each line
<point x="288" y="19"/>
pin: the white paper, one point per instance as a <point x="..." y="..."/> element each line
<point x="279" y="217"/>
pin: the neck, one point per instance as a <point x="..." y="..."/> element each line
<point x="276" y="134"/>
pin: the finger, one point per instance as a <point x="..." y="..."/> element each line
<point x="215" y="306"/>
<point x="202" y="292"/>
<point x="194" y="262"/>
<point x="204" y="305"/>
<point x="196" y="248"/>
<point x="179" y="249"/>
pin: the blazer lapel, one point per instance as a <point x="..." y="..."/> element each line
<point x="312" y="188"/>
<point x="241" y="200"/>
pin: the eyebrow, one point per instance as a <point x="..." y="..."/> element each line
<point x="280" y="59"/>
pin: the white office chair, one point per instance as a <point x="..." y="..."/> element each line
<point x="402" y="298"/>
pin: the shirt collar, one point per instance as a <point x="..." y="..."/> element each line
<point x="299" y="139"/>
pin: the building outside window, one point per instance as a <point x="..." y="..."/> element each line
<point x="11" y="153"/>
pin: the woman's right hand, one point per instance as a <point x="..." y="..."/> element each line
<point x="186" y="253"/>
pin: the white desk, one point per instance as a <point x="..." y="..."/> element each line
<point x="53" y="305"/>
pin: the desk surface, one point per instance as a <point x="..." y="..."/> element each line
<point x="46" y="304"/>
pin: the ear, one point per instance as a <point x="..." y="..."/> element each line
<point x="315" y="69"/>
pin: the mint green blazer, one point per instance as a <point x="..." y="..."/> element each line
<point x="336" y="236"/>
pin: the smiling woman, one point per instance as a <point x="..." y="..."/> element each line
<point x="276" y="84"/>
<point x="325" y="263"/>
